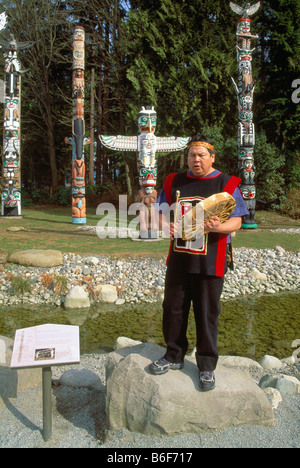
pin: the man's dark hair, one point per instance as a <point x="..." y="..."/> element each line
<point x="201" y="138"/>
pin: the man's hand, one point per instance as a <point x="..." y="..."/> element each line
<point x="231" y="225"/>
<point x="213" y="224"/>
<point x="173" y="230"/>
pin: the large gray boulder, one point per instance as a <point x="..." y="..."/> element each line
<point x="172" y="403"/>
<point x="13" y="381"/>
<point x="37" y="258"/>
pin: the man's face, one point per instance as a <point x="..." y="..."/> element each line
<point x="200" y="161"/>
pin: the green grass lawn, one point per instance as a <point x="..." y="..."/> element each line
<point x="51" y="227"/>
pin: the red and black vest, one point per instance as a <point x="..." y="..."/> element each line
<point x="209" y="257"/>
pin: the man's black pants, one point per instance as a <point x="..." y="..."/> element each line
<point x="182" y="289"/>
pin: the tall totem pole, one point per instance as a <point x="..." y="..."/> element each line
<point x="147" y="144"/>
<point x="78" y="139"/>
<point x="244" y="91"/>
<point x="11" y="164"/>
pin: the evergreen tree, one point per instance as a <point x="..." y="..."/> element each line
<point x="181" y="60"/>
<point x="181" y="56"/>
<point x="279" y="65"/>
<point x="175" y="55"/>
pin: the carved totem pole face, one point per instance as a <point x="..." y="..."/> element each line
<point x="244" y="25"/>
<point x="248" y="191"/>
<point x="148" y="177"/>
<point x="147" y="120"/>
<point x="11" y="195"/>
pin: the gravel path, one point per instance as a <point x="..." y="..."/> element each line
<point x="78" y="418"/>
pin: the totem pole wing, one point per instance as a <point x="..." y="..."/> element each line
<point x="245" y="11"/>
<point x="236" y="8"/>
<point x="119" y="142"/>
<point x="253" y="9"/>
<point x="24" y="45"/>
<point x="167" y="144"/>
<point x="3" y="20"/>
<point x="4" y="44"/>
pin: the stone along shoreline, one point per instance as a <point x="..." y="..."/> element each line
<point x="51" y="277"/>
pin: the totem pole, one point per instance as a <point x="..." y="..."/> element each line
<point x="147" y="144"/>
<point x="11" y="165"/>
<point x="78" y="139"/>
<point x="244" y="91"/>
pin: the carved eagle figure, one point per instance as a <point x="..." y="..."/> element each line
<point x="130" y="143"/>
<point x="245" y="11"/>
<point x="13" y="45"/>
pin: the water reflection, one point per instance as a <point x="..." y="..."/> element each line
<point x="249" y="326"/>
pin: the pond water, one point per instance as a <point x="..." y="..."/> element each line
<point x="249" y="326"/>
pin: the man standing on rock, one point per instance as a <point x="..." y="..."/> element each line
<point x="196" y="275"/>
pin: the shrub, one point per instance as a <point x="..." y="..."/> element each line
<point x="40" y="196"/>
<point x="291" y="204"/>
<point x="26" y="199"/>
<point x="21" y="285"/>
<point x="47" y="280"/>
<point x="60" y="284"/>
<point x="62" y="196"/>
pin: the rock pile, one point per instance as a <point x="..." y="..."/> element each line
<point x="263" y="271"/>
<point x="135" y="280"/>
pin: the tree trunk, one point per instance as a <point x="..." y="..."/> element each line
<point x="105" y="99"/>
<point x="50" y="133"/>
<point x="99" y="126"/>
<point x="127" y="178"/>
<point x="52" y="155"/>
